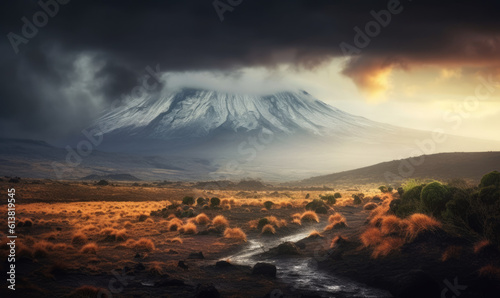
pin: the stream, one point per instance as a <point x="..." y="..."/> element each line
<point x="302" y="273"/>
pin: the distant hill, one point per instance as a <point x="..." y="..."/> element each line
<point x="114" y="177"/>
<point x="443" y="166"/>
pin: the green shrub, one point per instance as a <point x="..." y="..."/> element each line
<point x="337" y="195"/>
<point x="329" y="199"/>
<point x="316" y="205"/>
<point x="390" y="189"/>
<point x="400" y="191"/>
<point x="214" y="202"/>
<point x="268" y="205"/>
<point x="490" y="179"/>
<point x="383" y="188"/>
<point x="200" y="201"/>
<point x="489" y="195"/>
<point x="307" y="196"/>
<point x="357" y="198"/>
<point x="456" y="210"/>
<point x="402" y="208"/>
<point x="413" y="193"/>
<point x="434" y="197"/>
<point x="188" y="200"/>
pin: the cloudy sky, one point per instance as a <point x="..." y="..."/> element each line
<point x="417" y="64"/>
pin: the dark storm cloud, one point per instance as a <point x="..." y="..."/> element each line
<point x="123" y="37"/>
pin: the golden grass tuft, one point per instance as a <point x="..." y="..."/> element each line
<point x="89" y="248"/>
<point x="176" y="240"/>
<point x="156" y="268"/>
<point x="114" y="234"/>
<point x="490" y="271"/>
<point x="309" y="216"/>
<point x="418" y="223"/>
<point x="174" y="224"/>
<point x="336" y="221"/>
<point x="388" y="245"/>
<point x="202" y="219"/>
<point x="220" y="222"/>
<point x="41" y="249"/>
<point x="141" y="244"/>
<point x="371" y="237"/>
<point x="127" y="224"/>
<point x="236" y="234"/>
<point x="297" y="221"/>
<point x="370" y="206"/>
<point x="79" y="238"/>
<point x="481" y="245"/>
<point x="315" y="234"/>
<point x="188" y="228"/>
<point x="391" y="224"/>
<point x="451" y="252"/>
<point x="268" y="230"/>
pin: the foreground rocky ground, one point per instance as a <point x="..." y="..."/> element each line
<point x="114" y="246"/>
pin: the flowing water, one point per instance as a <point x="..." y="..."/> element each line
<point x="302" y="273"/>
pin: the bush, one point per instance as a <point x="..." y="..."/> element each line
<point x="102" y="183"/>
<point x="200" y="201"/>
<point x="268" y="230"/>
<point x="214" y="202"/>
<point x="236" y="234"/>
<point x="309" y="216"/>
<point x="188" y="200"/>
<point x="317" y="205"/>
<point x="337" y="195"/>
<point x="490" y="179"/>
<point x="434" y="197"/>
<point x="383" y="188"/>
<point x="329" y="199"/>
<point x="268" y="205"/>
<point x="488" y="195"/>
<point x="357" y="198"/>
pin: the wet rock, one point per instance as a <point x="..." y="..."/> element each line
<point x="182" y="264"/>
<point x="265" y="269"/>
<point x="223" y="264"/>
<point x="137" y="256"/>
<point x="415" y="284"/>
<point x="288" y="248"/>
<point x="206" y="291"/>
<point x="300" y="244"/>
<point x="196" y="256"/>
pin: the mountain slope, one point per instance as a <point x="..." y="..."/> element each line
<point x="198" y="113"/>
<point x="442" y="166"/>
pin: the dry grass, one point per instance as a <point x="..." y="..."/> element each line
<point x="176" y="240"/>
<point x="309" y="216"/>
<point x="315" y="234"/>
<point x="174" y="224"/>
<point x="220" y="222"/>
<point x="127" y="224"/>
<point x="89" y="248"/>
<point x="79" y="238"/>
<point x="156" y="268"/>
<point x="236" y="234"/>
<point x="418" y="223"/>
<point x="189" y="228"/>
<point x="41" y="249"/>
<point x="388" y="245"/>
<point x="268" y="230"/>
<point x="297" y="221"/>
<point x="141" y="244"/>
<point x="481" y="245"/>
<point x="391" y="224"/>
<point x="111" y="234"/>
<point x="490" y="271"/>
<point x="452" y="252"/>
<point x="336" y="221"/>
<point x="202" y="219"/>
<point x="371" y="237"/>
